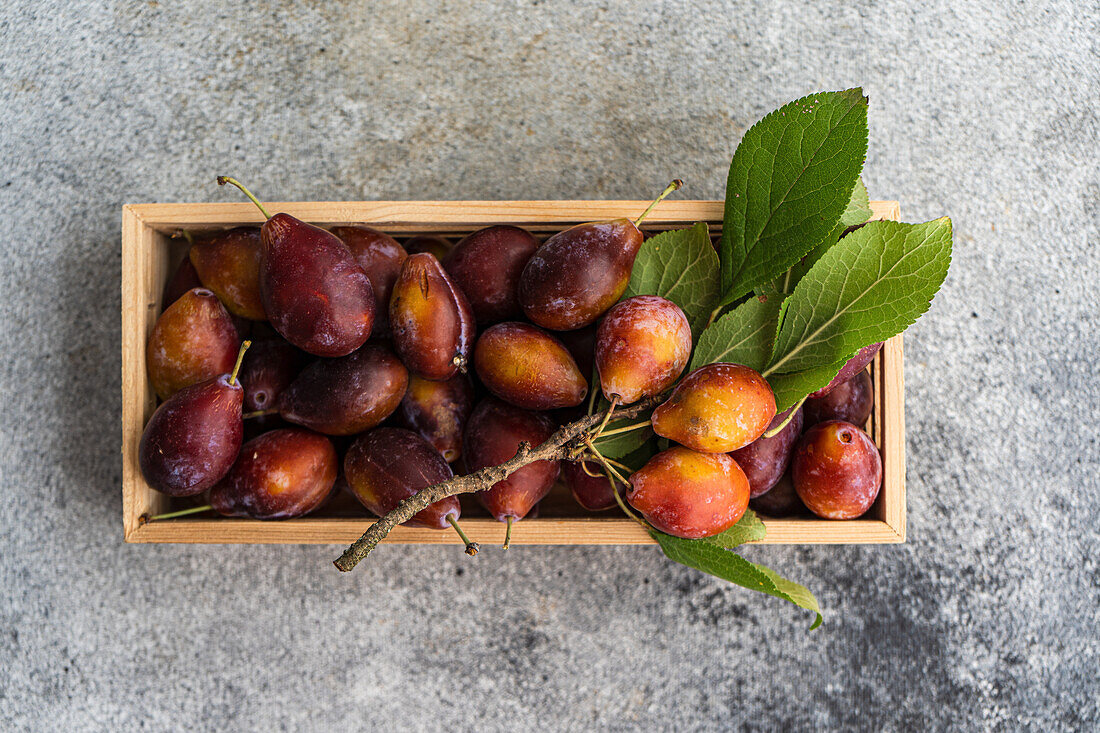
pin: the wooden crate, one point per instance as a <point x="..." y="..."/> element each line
<point x="149" y="254"/>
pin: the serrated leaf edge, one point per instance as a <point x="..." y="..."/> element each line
<point x="774" y="367"/>
<point x="725" y="248"/>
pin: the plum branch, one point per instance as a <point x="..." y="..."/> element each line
<point x="566" y="443"/>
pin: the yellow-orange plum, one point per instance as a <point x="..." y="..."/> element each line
<point x="642" y="346"/>
<point x="526" y="366"/>
<point x="689" y="494"/>
<point x="717" y="408"/>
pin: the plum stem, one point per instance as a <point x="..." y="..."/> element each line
<point x="592" y="390"/>
<point x="611" y="472"/>
<point x="471" y="547"/>
<point x="222" y="180"/>
<point x="606" y="463"/>
<point x="237" y="366"/>
<point x="626" y="511"/>
<point x="627" y="429"/>
<point x="790" y="416"/>
<point x="259" y="413"/>
<point x="508" y="533"/>
<point x="668" y="189"/>
<point x="607" y="417"/>
<point x="562" y="444"/>
<point x="584" y="467"/>
<point x="180" y="513"/>
<point x="618" y="465"/>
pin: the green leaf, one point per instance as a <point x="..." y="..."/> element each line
<point x="787" y="282"/>
<point x="638" y="457"/>
<point x="858" y="211"/>
<point x="728" y="565"/>
<point x="859" y="206"/>
<point x="790" y="180"/>
<point x="617" y="446"/>
<point x="749" y="528"/>
<point x="790" y="388"/>
<point x="680" y="265"/>
<point x="742" y="336"/>
<point x="869" y="286"/>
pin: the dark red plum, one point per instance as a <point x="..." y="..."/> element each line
<point x="388" y="465"/>
<point x="314" y="292"/>
<point x="268" y="368"/>
<point x="780" y="500"/>
<point x="837" y="470"/>
<point x="765" y="460"/>
<point x="594" y="493"/>
<point x="228" y="263"/>
<point x="184" y="279"/>
<point x="256" y="426"/>
<point x="192" y="440"/>
<point x="347" y="395"/>
<point x="438" y="411"/>
<point x="434" y="244"/>
<point x="487" y="265"/>
<point x="493" y="435"/>
<point x="578" y="274"/>
<point x="582" y="346"/>
<point x="193" y="340"/>
<point x="850" y="401"/>
<point x="853" y="366"/>
<point x="279" y="475"/>
<point x="381" y="257"/>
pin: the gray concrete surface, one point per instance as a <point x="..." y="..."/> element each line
<point x="987" y="619"/>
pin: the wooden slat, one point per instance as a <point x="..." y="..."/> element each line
<point x="143" y="275"/>
<point x="145" y="266"/>
<point x="415" y="216"/>
<point x="543" y="531"/>
<point x="891" y="396"/>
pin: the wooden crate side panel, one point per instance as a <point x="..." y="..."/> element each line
<point x="134" y="272"/>
<point x="543" y="531"/>
<point x="456" y="216"/>
<point x="891" y="396"/>
<point x="144" y="272"/>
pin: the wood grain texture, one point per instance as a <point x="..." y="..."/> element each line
<point x="891" y="396"/>
<point x="144" y="273"/>
<point x="446" y="216"/>
<point x="147" y="254"/>
<point x="593" y="530"/>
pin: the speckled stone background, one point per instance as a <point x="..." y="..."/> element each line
<point x="987" y="618"/>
